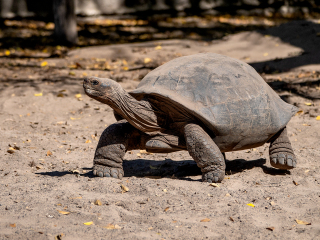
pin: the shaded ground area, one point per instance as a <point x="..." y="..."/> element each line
<point x="34" y="35"/>
<point x="50" y="131"/>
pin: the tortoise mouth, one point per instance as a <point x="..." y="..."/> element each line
<point x="90" y="91"/>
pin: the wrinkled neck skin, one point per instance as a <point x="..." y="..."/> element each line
<point x="138" y="113"/>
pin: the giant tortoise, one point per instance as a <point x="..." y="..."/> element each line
<point x="206" y="103"/>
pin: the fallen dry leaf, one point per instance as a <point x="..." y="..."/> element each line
<point x="214" y="185"/>
<point x="88" y="223"/>
<point x="158" y="47"/>
<point x="111" y="226"/>
<point x="13" y="225"/>
<point x="14" y="147"/>
<point x="302" y="222"/>
<point x="231" y="219"/>
<point x="97" y="202"/>
<point x="295" y="183"/>
<point x="74" y="118"/>
<point x="76" y="197"/>
<point x="49" y="153"/>
<point x="124" y="188"/>
<point x="145" y="152"/>
<point x="147" y="60"/>
<point x="308" y="103"/>
<point x="88" y="141"/>
<point x="38" y="94"/>
<point x="318" y="118"/>
<point x="78" y="95"/>
<point x="270" y="228"/>
<point x="43" y="64"/>
<point x="205" y="220"/>
<point x="63" y="212"/>
<point x="250" y="204"/>
<point x="166" y="209"/>
<point x="10" y="150"/>
<point x="7" y="53"/>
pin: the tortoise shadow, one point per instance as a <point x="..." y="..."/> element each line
<point x="182" y="169"/>
<point x="239" y="165"/>
<point x="175" y="169"/>
<point x="64" y="173"/>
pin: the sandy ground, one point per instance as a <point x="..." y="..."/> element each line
<point x="49" y="135"/>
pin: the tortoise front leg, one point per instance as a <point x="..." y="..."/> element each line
<point x="113" y="144"/>
<point x="205" y="152"/>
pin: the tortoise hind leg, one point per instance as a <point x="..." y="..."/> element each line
<point x="205" y="152"/>
<point x="280" y="151"/>
<point x="113" y="144"/>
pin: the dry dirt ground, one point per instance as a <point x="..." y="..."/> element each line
<point x="49" y="131"/>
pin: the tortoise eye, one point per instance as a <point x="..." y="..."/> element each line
<point x="95" y="82"/>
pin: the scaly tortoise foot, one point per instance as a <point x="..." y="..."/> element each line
<point x="213" y="176"/>
<point x="105" y="171"/>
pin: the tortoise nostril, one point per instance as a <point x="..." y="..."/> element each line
<point x="85" y="80"/>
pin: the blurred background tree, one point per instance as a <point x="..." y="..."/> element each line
<point x="65" y="29"/>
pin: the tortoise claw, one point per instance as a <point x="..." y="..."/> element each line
<point x="283" y="160"/>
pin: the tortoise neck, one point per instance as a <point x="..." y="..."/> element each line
<point x="140" y="114"/>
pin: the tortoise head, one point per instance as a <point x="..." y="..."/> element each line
<point x="104" y="90"/>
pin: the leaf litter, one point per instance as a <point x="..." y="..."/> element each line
<point x="112" y="226"/>
<point x="303" y="222"/>
<point x="63" y="212"/>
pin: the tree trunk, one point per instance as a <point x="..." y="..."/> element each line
<point x="65" y="29"/>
